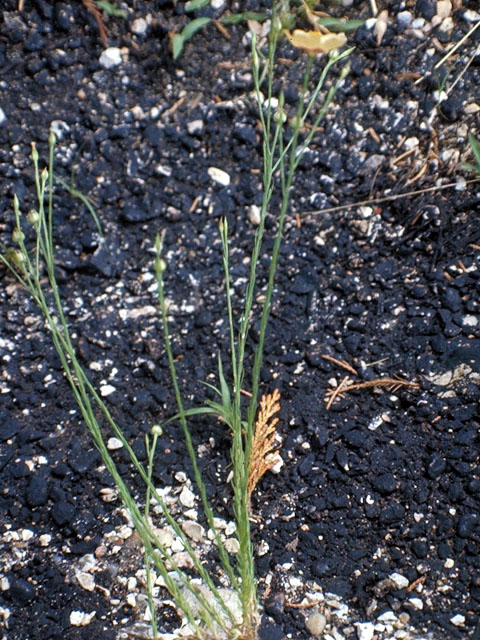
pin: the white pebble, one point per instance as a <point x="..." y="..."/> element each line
<point x="232" y="545"/>
<point x="195" y="126"/>
<point x="3" y="117"/>
<point x="315" y="623"/>
<point x="106" y="390"/>
<point x="219" y="176"/>
<point x="80" y="618"/>
<point x="114" y="443"/>
<point x="193" y="530"/>
<point x="254" y="214"/>
<point x="365" y="630"/>
<point x="416" y="603"/>
<point x="458" y="620"/>
<point x="398" y="580"/>
<point x="86" y="581"/>
<point x="139" y="27"/>
<point x="404" y="18"/>
<point x="111" y="57"/>
<point x="187" y="498"/>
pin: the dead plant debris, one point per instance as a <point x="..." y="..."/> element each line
<point x="264" y="453"/>
<point x="392" y="385"/>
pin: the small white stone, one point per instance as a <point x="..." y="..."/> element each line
<point x="365" y="630"/>
<point x="232" y="545"/>
<point x="230" y="528"/>
<point x="315" y="623"/>
<point x="217" y="175"/>
<point x="444" y="8"/>
<point x="193" y="530"/>
<point x="471" y="16"/>
<point x="187" y="498"/>
<point x="80" y="618"/>
<point x="458" y="620"/>
<point x="86" y="581"/>
<point x="449" y="563"/>
<point x="139" y="26"/>
<point x="469" y="321"/>
<point x="195" y="126"/>
<point x="253" y="214"/>
<point x="114" y="443"/>
<point x="45" y="539"/>
<point x="111" y="57"/>
<point x="59" y="128"/>
<point x="404" y="18"/>
<point x="388" y="616"/>
<point x="107" y="390"/>
<point x="217" y="4"/>
<point x="125" y="532"/>
<point x="131" y="600"/>
<point x="3" y="117"/>
<point x="398" y="580"/>
<point x="416" y="603"/>
<point x="165" y="537"/>
<point x="27" y="534"/>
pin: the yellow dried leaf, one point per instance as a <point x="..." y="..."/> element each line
<point x="314" y="42"/>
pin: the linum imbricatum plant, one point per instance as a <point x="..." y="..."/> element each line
<point x="226" y="609"/>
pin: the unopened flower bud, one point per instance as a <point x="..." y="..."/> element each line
<point x="33" y="217"/>
<point x="16" y="258"/>
<point x="157" y="430"/>
<point x="279" y="116"/>
<point x="34" y="152"/>
<point x="345" y="71"/>
<point x="296" y="122"/>
<point x="161" y="265"/>
<point x="18" y="236"/>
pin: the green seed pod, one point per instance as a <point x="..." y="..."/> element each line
<point x="296" y="122"/>
<point x="33" y="217"/>
<point x="156" y="430"/>
<point x="16" y="258"/>
<point x="161" y="265"/>
<point x="18" y="236"/>
<point x="279" y="116"/>
<point x="34" y="152"/>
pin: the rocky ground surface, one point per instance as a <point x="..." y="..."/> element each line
<point x="371" y="529"/>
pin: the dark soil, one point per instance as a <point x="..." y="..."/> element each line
<point x="386" y="481"/>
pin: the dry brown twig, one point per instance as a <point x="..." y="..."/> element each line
<point x="92" y="7"/>
<point x="340" y="363"/>
<point x="392" y="384"/>
<point x="263" y="456"/>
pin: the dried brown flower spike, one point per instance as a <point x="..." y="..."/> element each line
<point x="264" y="456"/>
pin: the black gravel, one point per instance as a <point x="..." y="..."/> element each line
<point x="387" y="480"/>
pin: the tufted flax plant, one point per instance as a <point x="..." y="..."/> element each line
<point x="212" y="610"/>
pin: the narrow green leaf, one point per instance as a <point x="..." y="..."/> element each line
<point x="247" y="15"/>
<point x="226" y="401"/>
<point x="192" y="27"/>
<point x="334" y="24"/>
<point x="111" y="9"/>
<point x="476" y="149"/>
<point x="194" y="5"/>
<point x="177" y="45"/>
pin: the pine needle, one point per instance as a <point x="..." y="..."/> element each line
<point x="262" y="457"/>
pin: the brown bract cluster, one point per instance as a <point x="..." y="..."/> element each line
<point x="263" y="456"/>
